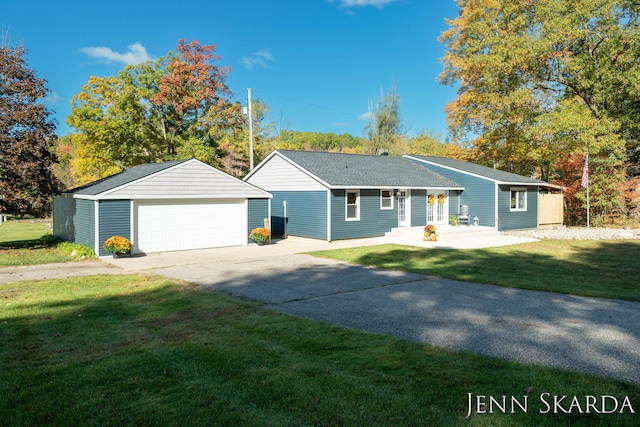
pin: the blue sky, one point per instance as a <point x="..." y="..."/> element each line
<point x="318" y="64"/>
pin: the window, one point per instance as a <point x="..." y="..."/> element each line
<point x="518" y="199"/>
<point x="386" y="199"/>
<point x="353" y="205"/>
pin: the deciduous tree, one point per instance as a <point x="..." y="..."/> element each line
<point x="531" y="73"/>
<point x="177" y="106"/>
<point x="27" y="138"/>
<point x="385" y="130"/>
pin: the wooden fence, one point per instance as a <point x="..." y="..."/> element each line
<point x="550" y="208"/>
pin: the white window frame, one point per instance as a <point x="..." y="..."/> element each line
<point x="357" y="205"/>
<point x="390" y="198"/>
<point x="520" y="196"/>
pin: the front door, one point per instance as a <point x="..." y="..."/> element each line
<point x="437" y="207"/>
<point x="404" y="208"/>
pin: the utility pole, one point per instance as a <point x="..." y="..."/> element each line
<point x="250" y="131"/>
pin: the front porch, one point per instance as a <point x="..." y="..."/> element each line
<point x="454" y="237"/>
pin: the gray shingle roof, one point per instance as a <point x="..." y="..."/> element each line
<point x="122" y="178"/>
<point x="493" y="174"/>
<point x="357" y="170"/>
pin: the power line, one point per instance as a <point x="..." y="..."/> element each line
<point x="308" y="103"/>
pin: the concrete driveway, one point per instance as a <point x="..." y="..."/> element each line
<point x="590" y="335"/>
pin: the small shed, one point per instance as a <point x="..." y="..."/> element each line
<point x="170" y="206"/>
<point x="499" y="199"/>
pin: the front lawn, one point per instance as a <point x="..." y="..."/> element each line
<point x="137" y="350"/>
<point x="25" y="242"/>
<point x="604" y="269"/>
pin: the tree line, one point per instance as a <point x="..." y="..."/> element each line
<point x="539" y="86"/>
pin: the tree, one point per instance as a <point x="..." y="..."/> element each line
<point x="27" y="139"/>
<point x="385" y="129"/>
<point x="428" y="143"/>
<point x="527" y="69"/>
<point x="175" y="107"/>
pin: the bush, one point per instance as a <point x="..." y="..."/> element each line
<point x="260" y="234"/>
<point x="117" y="245"/>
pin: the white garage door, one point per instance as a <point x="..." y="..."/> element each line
<point x="179" y="225"/>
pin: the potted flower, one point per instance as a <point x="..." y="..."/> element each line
<point x="117" y="245"/>
<point x="260" y="235"/>
<point x="430" y="233"/>
<point x="453" y="220"/>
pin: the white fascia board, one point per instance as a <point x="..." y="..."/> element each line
<point x="452" y="169"/>
<point x="378" y="187"/>
<point x="182" y="197"/>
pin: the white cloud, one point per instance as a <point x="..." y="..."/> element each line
<point x="354" y="3"/>
<point x="338" y="124"/>
<point x="260" y="59"/>
<point x="52" y="98"/>
<point x="135" y="55"/>
<point x="365" y="116"/>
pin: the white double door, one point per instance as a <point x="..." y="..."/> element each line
<point x="437" y="207"/>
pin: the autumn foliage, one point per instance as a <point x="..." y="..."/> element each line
<point x="26" y="139"/>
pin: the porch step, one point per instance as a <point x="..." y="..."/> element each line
<point x="450" y="237"/>
<point x="448" y="231"/>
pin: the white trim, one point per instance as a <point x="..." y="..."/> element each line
<point x="496" y="196"/>
<point x="329" y="215"/>
<point x="518" y="190"/>
<point x="132" y="225"/>
<point x="346" y="205"/>
<point x="386" y="208"/>
<point x="96" y="227"/>
<point x="171" y="197"/>
<point x="475" y="174"/>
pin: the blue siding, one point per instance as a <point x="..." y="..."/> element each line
<point x="454" y="202"/>
<point x="84" y="222"/>
<point x="373" y="221"/>
<point x="74" y="220"/>
<point x="478" y="194"/>
<point x="115" y="220"/>
<point x="306" y="212"/>
<point x="418" y="207"/>
<point x="63" y="212"/>
<point x="520" y="219"/>
<point x="258" y="211"/>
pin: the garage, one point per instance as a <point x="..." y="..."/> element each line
<point x="161" y="207"/>
<point x="180" y="225"/>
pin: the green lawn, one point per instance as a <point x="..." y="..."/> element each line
<point x="31" y="243"/>
<point x="605" y="269"/>
<point x="137" y="350"/>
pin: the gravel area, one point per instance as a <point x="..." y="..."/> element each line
<point x="578" y="233"/>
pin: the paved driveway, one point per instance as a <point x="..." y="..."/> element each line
<point x="582" y="334"/>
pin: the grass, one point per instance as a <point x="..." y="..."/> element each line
<point x="31" y="243"/>
<point x="604" y="269"/>
<point x="138" y="350"/>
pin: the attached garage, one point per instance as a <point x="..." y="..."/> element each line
<point x="162" y="207"/>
